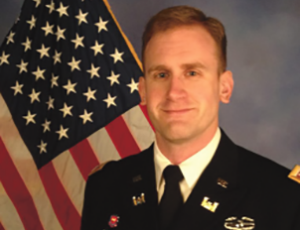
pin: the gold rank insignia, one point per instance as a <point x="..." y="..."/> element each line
<point x="211" y="206"/>
<point x="97" y="168"/>
<point x="233" y="223"/>
<point x="295" y="174"/>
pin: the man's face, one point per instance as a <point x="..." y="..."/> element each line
<point x="182" y="88"/>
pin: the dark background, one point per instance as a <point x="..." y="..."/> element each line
<point x="263" y="54"/>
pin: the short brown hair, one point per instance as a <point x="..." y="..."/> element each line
<point x="177" y="16"/>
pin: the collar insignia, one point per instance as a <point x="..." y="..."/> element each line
<point x="233" y="223"/>
<point x="295" y="174"/>
<point x="211" y="206"/>
<point x="139" y="200"/>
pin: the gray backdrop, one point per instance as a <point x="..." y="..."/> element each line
<point x="263" y="54"/>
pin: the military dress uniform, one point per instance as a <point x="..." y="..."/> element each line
<point x="237" y="190"/>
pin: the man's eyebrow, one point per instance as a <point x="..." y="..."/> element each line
<point x="193" y="65"/>
<point x="157" y="67"/>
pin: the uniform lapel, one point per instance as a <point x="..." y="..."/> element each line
<point x="142" y="180"/>
<point x="224" y="165"/>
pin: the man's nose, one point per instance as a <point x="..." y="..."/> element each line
<point x="176" y="88"/>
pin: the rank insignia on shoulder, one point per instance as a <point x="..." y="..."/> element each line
<point x="295" y="174"/>
<point x="222" y="183"/>
<point x="113" y="221"/>
<point x="211" y="206"/>
<point x="97" y="168"/>
<point x="233" y="223"/>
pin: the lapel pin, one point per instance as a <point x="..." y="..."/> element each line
<point x="233" y="223"/>
<point x="211" y="206"/>
<point x="113" y="221"/>
<point x="222" y="183"/>
<point x="295" y="174"/>
<point x="139" y="200"/>
<point x="137" y="178"/>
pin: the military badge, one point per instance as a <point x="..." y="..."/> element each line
<point x="233" y="223"/>
<point x="295" y="174"/>
<point x="209" y="205"/>
<point x="139" y="200"/>
<point x="113" y="221"/>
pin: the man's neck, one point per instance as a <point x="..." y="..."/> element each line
<point x="179" y="152"/>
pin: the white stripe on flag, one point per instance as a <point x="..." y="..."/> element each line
<point x="26" y="168"/>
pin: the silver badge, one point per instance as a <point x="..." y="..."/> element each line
<point x="233" y="223"/>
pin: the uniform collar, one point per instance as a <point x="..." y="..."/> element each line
<point x="191" y="168"/>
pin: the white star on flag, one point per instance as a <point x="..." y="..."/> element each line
<point x="133" y="86"/>
<point x="39" y="74"/>
<point x="93" y="71"/>
<point x="22" y="66"/>
<point x="62" y="10"/>
<point x="74" y="64"/>
<point x="117" y="56"/>
<point x="113" y="78"/>
<point x="42" y="147"/>
<point x="4" y="58"/>
<point x="17" y="88"/>
<point x="110" y="100"/>
<point x="10" y="37"/>
<point x="90" y="94"/>
<point x="62" y="132"/>
<point x="37" y="3"/>
<point x="66" y="110"/>
<point x="101" y="25"/>
<point x="86" y="116"/>
<point x="51" y="7"/>
<point x="56" y="57"/>
<point x="78" y="41"/>
<point x="29" y="118"/>
<point x="46" y="126"/>
<point x="48" y="29"/>
<point x="70" y="87"/>
<point x="27" y="44"/>
<point x="43" y="51"/>
<point x="50" y="103"/>
<point x="97" y="48"/>
<point x="32" y="22"/>
<point x="81" y="17"/>
<point x="60" y="34"/>
<point x="34" y="96"/>
<point x="54" y="81"/>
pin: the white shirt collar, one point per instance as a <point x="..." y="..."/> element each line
<point x="191" y="168"/>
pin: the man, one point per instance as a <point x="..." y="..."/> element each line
<point x="211" y="183"/>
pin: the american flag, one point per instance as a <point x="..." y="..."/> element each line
<point x="69" y="101"/>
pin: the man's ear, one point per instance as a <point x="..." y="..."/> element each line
<point x="226" y="86"/>
<point x="142" y="90"/>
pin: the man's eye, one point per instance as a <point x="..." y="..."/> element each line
<point x="161" y="75"/>
<point x="192" y="73"/>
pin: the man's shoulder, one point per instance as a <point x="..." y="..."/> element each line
<point x="265" y="172"/>
<point x="113" y="170"/>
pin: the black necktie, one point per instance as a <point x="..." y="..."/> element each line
<point x="171" y="201"/>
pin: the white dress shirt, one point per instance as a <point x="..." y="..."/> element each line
<point x="191" y="168"/>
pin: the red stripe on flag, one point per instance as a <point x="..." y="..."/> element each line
<point x="1" y="227"/>
<point x="17" y="191"/>
<point x="144" y="110"/>
<point x="122" y="137"/>
<point x="63" y="207"/>
<point x="84" y="157"/>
